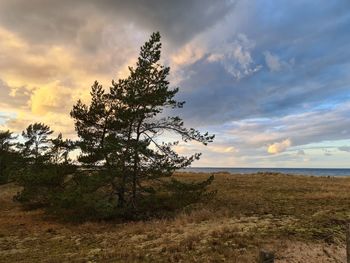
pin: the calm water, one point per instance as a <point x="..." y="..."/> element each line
<point x="303" y="171"/>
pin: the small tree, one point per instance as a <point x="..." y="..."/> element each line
<point x="60" y="150"/>
<point x="6" y="139"/>
<point x="46" y="165"/>
<point x="119" y="132"/>
<point x="7" y="155"/>
<point x="37" y="142"/>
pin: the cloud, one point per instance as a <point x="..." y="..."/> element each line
<point x="311" y="76"/>
<point x="327" y="152"/>
<point x="12" y="98"/>
<point x="51" y="99"/>
<point x="222" y="149"/>
<point x="272" y="61"/>
<point x="184" y="56"/>
<point x="301" y="152"/>
<point x="279" y="147"/>
<point x="60" y="123"/>
<point x="236" y="57"/>
<point x="275" y="64"/>
<point x="261" y="131"/>
<point x="253" y="136"/>
<point x="48" y="79"/>
<point x="344" y="148"/>
<point x="188" y="54"/>
<point x="53" y="21"/>
<point x="216" y="147"/>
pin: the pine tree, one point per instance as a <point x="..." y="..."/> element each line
<point x="45" y="168"/>
<point x="119" y="131"/>
<point x="7" y="155"/>
<point x="37" y="142"/>
<point x="59" y="152"/>
<point x="6" y="139"/>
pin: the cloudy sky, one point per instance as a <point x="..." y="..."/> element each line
<point x="270" y="78"/>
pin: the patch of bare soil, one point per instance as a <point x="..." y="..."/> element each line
<point x="301" y="252"/>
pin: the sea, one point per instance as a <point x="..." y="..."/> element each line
<point x="297" y="171"/>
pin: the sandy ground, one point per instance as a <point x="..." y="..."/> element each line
<point x="31" y="236"/>
<point x="301" y="252"/>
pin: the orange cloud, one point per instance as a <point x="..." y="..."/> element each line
<point x="190" y="53"/>
<point x="279" y="147"/>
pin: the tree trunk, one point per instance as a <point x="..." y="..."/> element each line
<point x="136" y="163"/>
<point x="121" y="192"/>
<point x="121" y="200"/>
<point x="134" y="176"/>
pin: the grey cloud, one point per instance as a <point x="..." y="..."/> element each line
<point x="272" y="61"/>
<point x="41" y="21"/>
<point x="25" y="68"/>
<point x="275" y="64"/>
<point x="13" y="97"/>
<point x="55" y="21"/>
<point x="178" y="20"/>
<point x="344" y="148"/>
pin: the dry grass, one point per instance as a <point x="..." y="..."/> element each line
<point x="278" y="212"/>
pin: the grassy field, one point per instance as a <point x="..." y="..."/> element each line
<point x="300" y="218"/>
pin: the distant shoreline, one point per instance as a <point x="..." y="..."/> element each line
<point x="338" y="172"/>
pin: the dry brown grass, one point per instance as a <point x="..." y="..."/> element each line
<point x="278" y="212"/>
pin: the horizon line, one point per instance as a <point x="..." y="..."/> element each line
<point x="213" y="167"/>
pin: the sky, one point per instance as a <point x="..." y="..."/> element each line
<point x="271" y="79"/>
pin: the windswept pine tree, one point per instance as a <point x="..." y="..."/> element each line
<point x="37" y="142"/>
<point x="120" y="133"/>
